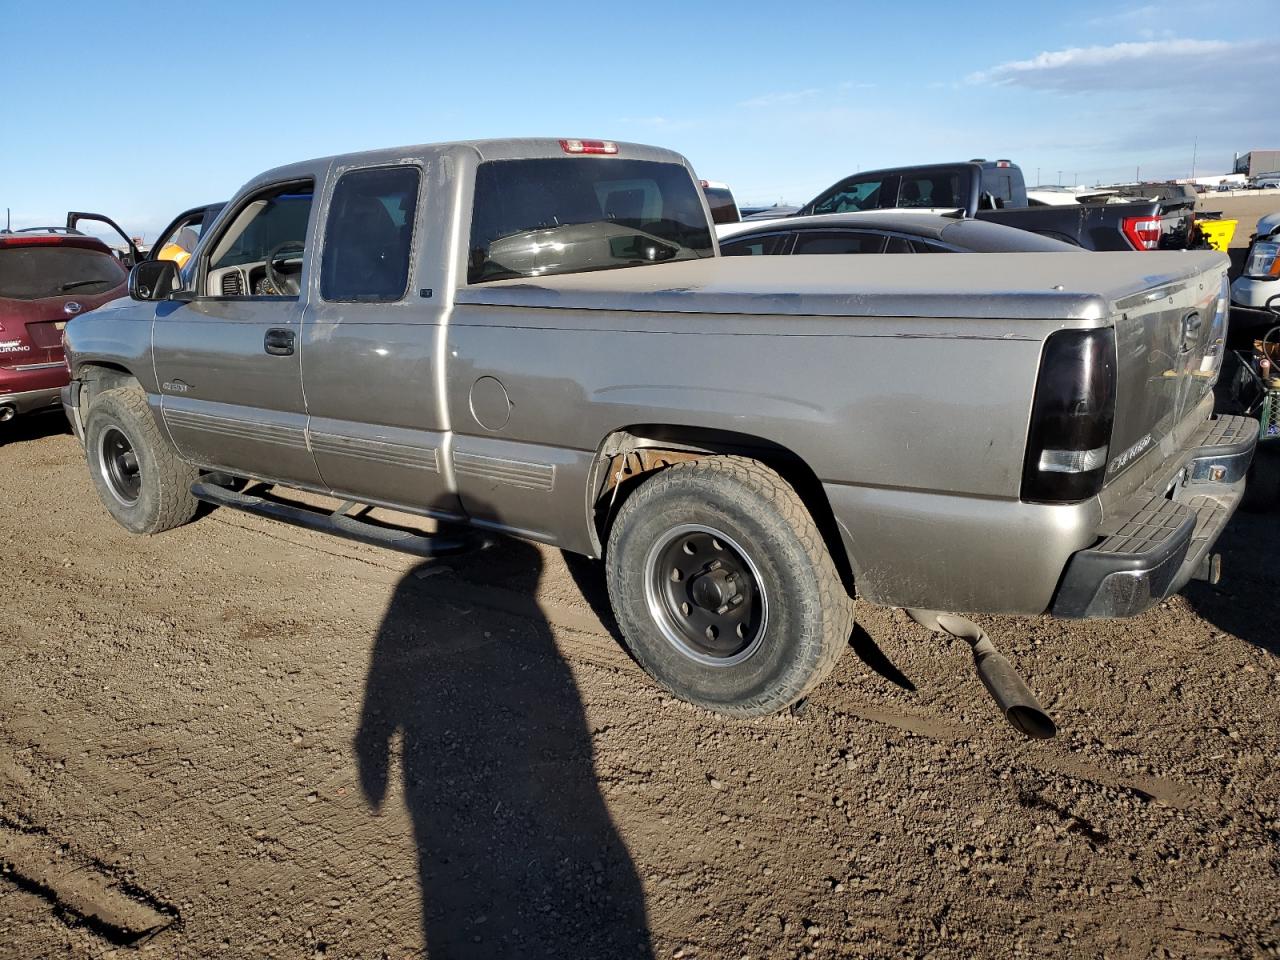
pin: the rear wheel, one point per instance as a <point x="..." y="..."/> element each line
<point x="724" y="588"/>
<point x="141" y="481"/>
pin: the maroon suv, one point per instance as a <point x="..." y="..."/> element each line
<point x="46" y="278"/>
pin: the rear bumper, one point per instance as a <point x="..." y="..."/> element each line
<point x="27" y="401"/>
<point x="31" y="387"/>
<point x="1161" y="538"/>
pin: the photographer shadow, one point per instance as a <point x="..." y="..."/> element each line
<point x="517" y="854"/>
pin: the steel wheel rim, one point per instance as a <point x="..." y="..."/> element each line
<point x="119" y="466"/>
<point x="706" y="595"/>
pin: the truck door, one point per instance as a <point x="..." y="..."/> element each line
<point x="372" y="347"/>
<point x="228" y="363"/>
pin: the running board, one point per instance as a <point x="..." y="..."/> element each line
<point x="339" y="523"/>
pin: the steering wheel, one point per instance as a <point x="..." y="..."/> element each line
<point x="285" y="284"/>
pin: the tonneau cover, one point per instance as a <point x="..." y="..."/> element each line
<point x="965" y="285"/>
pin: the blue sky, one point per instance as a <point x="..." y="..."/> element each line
<point x="140" y="110"/>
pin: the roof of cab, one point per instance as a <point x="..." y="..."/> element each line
<point x="510" y="148"/>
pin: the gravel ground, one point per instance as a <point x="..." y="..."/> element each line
<point x="1245" y="208"/>
<point x="284" y="745"/>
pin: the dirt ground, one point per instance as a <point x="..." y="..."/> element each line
<point x="1243" y="207"/>
<point x="283" y="745"/>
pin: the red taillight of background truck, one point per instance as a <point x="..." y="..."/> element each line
<point x="1143" y="232"/>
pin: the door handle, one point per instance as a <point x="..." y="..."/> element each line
<point x="278" y="342"/>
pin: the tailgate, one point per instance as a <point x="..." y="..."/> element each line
<point x="1177" y="224"/>
<point x="1168" y="351"/>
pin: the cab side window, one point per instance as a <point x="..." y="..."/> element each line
<point x="261" y="251"/>
<point x="865" y="193"/>
<point x="838" y="241"/>
<point x="369" y="236"/>
<point x="765" y="246"/>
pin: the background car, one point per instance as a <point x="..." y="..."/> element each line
<point x="47" y="277"/>
<point x="178" y="240"/>
<point x="882" y="232"/>
<point x="1259" y="278"/>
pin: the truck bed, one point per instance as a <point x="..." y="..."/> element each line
<point x="964" y="286"/>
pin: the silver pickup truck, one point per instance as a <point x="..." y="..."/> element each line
<point x="537" y="337"/>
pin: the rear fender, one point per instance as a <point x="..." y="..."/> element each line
<point x="627" y="457"/>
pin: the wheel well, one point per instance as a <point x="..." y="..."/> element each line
<point x="96" y="378"/>
<point x="630" y="456"/>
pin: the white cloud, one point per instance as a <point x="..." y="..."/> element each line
<point x="780" y="99"/>
<point x="1218" y="66"/>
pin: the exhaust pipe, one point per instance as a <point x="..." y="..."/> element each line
<point x="7" y="413"/>
<point x="1018" y="704"/>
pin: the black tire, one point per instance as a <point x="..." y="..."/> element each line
<point x="794" y="614"/>
<point x="138" y="475"/>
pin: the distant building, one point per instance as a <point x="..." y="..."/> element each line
<point x="1256" y="162"/>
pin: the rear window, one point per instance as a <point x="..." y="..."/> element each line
<point x="32" y="273"/>
<point x="938" y="189"/>
<point x="571" y="215"/>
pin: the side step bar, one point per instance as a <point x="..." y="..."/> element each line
<point x="339" y="523"/>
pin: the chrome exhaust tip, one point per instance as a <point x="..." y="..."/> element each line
<point x="7" y="413"/>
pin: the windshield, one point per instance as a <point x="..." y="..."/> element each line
<point x="570" y="215"/>
<point x="32" y="273"/>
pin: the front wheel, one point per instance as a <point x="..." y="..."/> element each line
<point x="139" y="477"/>
<point x="724" y="588"/>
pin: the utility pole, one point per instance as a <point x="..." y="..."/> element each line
<point x="1195" y="144"/>
<point x="1137" y="174"/>
<point x="1059" y="178"/>
<point x="1037" y="176"/>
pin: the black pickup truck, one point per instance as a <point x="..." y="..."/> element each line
<point x="995" y="190"/>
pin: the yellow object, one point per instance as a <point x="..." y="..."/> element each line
<point x="175" y="252"/>
<point x="1218" y="233"/>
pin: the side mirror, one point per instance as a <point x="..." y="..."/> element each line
<point x="154" y="280"/>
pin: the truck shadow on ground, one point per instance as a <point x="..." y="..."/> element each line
<point x="1247" y="601"/>
<point x="34" y="426"/>
<point x="517" y="853"/>
<point x="589" y="576"/>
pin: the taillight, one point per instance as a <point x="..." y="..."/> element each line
<point x="1071" y="417"/>
<point x="588" y="146"/>
<point x="1143" y="232"/>
<point x="35" y="240"/>
<point x="1215" y="348"/>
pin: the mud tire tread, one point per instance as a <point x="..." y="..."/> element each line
<point x="743" y="487"/>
